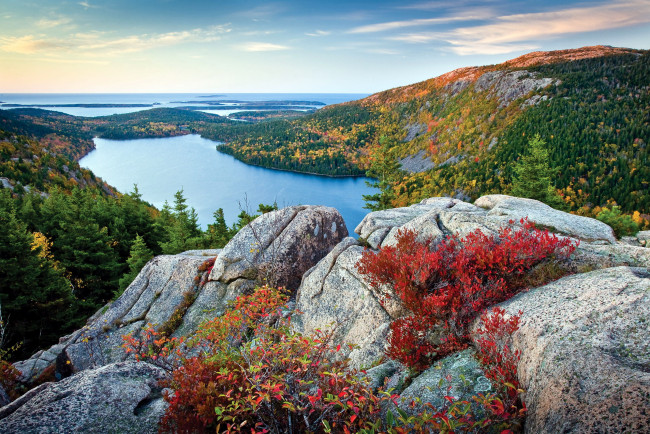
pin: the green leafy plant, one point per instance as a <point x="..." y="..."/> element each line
<point x="621" y="223"/>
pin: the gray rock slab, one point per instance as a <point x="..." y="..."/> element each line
<point x="515" y="208"/>
<point x="585" y="345"/>
<point x="377" y="225"/>
<point x="118" y="398"/>
<point x="334" y="296"/>
<point x="420" y="162"/>
<point x="278" y="247"/>
<point x="595" y="256"/>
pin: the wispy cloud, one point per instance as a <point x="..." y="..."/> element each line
<point x="505" y="34"/>
<point x="262" y="46"/>
<point x="30" y="44"/>
<point x="87" y="5"/>
<point x="319" y="33"/>
<point x="97" y="44"/>
<point x="259" y="33"/>
<point x="48" y="23"/>
<point x="394" y="25"/>
<point x="382" y="51"/>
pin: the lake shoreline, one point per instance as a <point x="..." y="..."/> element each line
<point x="292" y="171"/>
<point x="211" y="179"/>
<point x="225" y="153"/>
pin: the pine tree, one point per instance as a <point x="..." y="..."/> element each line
<point x="384" y="169"/>
<point x="139" y="256"/>
<point x="184" y="232"/>
<point x="36" y="301"/>
<point x="218" y="233"/>
<point x="533" y="175"/>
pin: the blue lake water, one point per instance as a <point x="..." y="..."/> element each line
<point x="212" y="180"/>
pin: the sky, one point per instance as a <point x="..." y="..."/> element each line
<point x="339" y="46"/>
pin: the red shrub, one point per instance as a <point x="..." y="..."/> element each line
<point x="253" y="374"/>
<point x="446" y="284"/>
<point x="499" y="361"/>
<point x="9" y="379"/>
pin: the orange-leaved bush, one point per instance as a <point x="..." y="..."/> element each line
<point x="246" y="371"/>
<point x="253" y="374"/>
<point x="445" y="285"/>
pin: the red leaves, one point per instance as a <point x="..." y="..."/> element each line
<point x="446" y="284"/>
<point x="252" y="370"/>
<point x="499" y="361"/>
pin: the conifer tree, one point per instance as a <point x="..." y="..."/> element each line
<point x="384" y="168"/>
<point x="139" y="256"/>
<point x="218" y="233"/>
<point x="37" y="304"/>
<point x="184" y="232"/>
<point x="533" y="175"/>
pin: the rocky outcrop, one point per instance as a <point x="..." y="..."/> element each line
<point x="334" y="293"/>
<point x="584" y="339"/>
<point x="585" y="346"/>
<point x="280" y="246"/>
<point x="420" y="162"/>
<point x="515" y="208"/>
<point x="334" y="296"/>
<point x="120" y="398"/>
<point x="414" y="130"/>
<point x="509" y="86"/>
<point x="151" y="298"/>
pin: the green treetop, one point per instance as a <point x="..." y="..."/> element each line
<point x="533" y="175"/>
<point x="384" y="168"/>
<point x="35" y="298"/>
<point x="139" y="256"/>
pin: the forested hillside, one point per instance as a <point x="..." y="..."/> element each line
<point x="593" y="117"/>
<point x="69" y="242"/>
<point x="461" y="133"/>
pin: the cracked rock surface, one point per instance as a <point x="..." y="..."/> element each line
<point x="585" y="345"/>
<point x="117" y="398"/>
<point x="280" y="246"/>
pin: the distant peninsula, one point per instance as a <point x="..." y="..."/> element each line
<point x="232" y="102"/>
<point x="108" y="105"/>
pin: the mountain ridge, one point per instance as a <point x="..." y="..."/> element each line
<point x="467" y="126"/>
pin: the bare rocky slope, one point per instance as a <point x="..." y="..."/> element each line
<point x="584" y="339"/>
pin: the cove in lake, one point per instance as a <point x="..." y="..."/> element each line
<point x="212" y="180"/>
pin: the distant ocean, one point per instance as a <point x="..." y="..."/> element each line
<point x="57" y="101"/>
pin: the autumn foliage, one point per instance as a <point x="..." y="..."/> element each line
<point x="250" y="373"/>
<point x="446" y="285"/>
<point x="246" y="371"/>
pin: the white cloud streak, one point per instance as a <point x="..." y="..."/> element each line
<point x="319" y="33"/>
<point x="262" y="46"/>
<point x="47" y="23"/>
<point x="87" y="5"/>
<point x="394" y="25"/>
<point x="510" y="33"/>
<point x="97" y="44"/>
